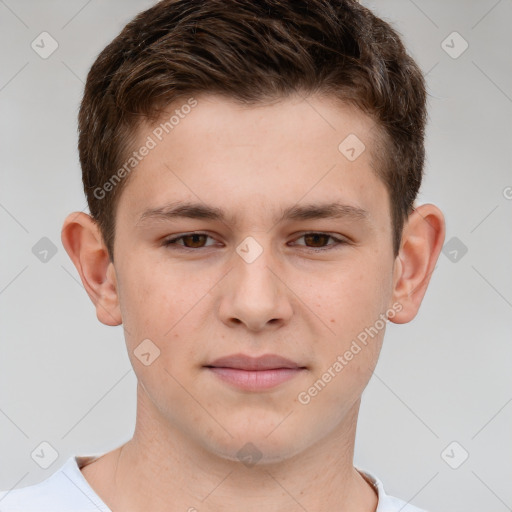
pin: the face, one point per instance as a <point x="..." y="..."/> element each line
<point x="261" y="266"/>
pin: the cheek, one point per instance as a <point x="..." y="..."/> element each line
<point x="161" y="301"/>
<point x="161" y="304"/>
<point x="354" y="299"/>
<point x="351" y="305"/>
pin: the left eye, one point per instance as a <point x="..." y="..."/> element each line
<point x="320" y="238"/>
<point x="313" y="241"/>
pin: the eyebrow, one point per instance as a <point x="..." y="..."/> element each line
<point x="190" y="210"/>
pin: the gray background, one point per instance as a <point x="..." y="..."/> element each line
<point x="66" y="379"/>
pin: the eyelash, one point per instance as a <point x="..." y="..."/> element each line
<point x="173" y="242"/>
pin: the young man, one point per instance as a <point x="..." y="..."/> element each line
<point x="251" y="169"/>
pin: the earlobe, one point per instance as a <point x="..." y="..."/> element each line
<point x="422" y="241"/>
<point x="83" y="242"/>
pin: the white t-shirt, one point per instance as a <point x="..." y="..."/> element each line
<point x="67" y="490"/>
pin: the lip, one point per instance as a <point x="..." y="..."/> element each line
<point x="254" y="373"/>
<point x="245" y="362"/>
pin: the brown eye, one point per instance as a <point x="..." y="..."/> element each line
<point x="194" y="241"/>
<point x="316" y="239"/>
<point x="188" y="241"/>
<point x="319" y="241"/>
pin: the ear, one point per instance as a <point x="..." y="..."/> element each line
<point x="84" y="244"/>
<point x="422" y="241"/>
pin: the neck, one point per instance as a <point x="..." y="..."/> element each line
<point x="161" y="468"/>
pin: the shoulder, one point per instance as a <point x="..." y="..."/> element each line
<point x="66" y="489"/>
<point x="387" y="503"/>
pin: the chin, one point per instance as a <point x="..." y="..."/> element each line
<point x="256" y="447"/>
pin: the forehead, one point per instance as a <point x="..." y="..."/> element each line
<point x="269" y="156"/>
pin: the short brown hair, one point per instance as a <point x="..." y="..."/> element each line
<point x="252" y="52"/>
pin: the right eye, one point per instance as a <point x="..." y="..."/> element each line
<point x="188" y="241"/>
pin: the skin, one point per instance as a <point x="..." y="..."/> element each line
<point x="209" y="302"/>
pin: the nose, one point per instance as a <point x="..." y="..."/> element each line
<point x="255" y="294"/>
